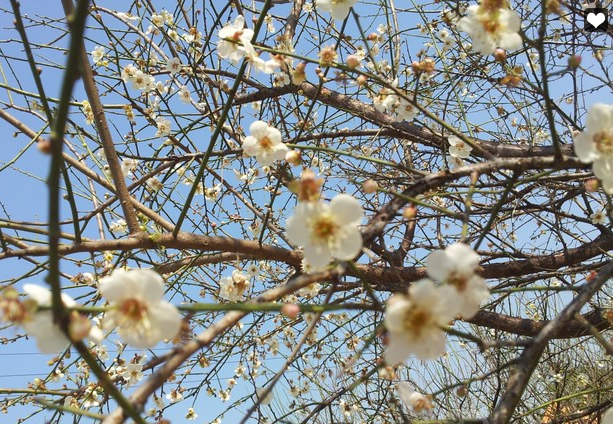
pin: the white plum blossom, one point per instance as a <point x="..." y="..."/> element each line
<point x="232" y="288"/>
<point x="456" y="266"/>
<point x="185" y="95"/>
<point x="339" y="9"/>
<point x="405" y="111"/>
<point x="142" y="81"/>
<point x="607" y="417"/>
<point x="491" y="26"/>
<point x="327" y="230"/>
<point x="128" y="166"/>
<point x="163" y="126"/>
<point x="40" y="324"/>
<point x="235" y="41"/>
<point x="154" y="184"/>
<point x="269" y="66"/>
<point x="132" y="374"/>
<point x="599" y="217"/>
<point x="414" y="322"/>
<point x="142" y="317"/>
<point x="595" y="144"/>
<point x="458" y="148"/>
<point x="174" y="65"/>
<point x="455" y="162"/>
<point x="98" y="54"/>
<point x="412" y="398"/>
<point x="128" y="72"/>
<point x="119" y="226"/>
<point x="264" y="143"/>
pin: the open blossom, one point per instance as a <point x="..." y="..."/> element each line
<point x="185" y="95"/>
<point x="264" y="143"/>
<point x="599" y="217"/>
<point x="607" y="417"/>
<point x="456" y="266"/>
<point x="232" y="288"/>
<point x="269" y="66"/>
<point x="138" y="310"/>
<point x="339" y="9"/>
<point x="595" y="144"/>
<point x="491" y="26"/>
<point x="98" y="54"/>
<point x="414" y="322"/>
<point x="458" y="148"/>
<point x="174" y="65"/>
<point x="40" y="324"/>
<point x="163" y="126"/>
<point x="235" y="41"/>
<point x="327" y="230"/>
<point x="119" y="226"/>
<point x="411" y="398"/>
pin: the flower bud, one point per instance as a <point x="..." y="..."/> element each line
<point x="291" y="310"/>
<point x="353" y="61"/>
<point x="500" y="55"/>
<point x="293" y="157"/>
<point x="370" y="186"/>
<point x="409" y="212"/>
<point x="361" y="80"/>
<point x="44" y="145"/>
<point x="574" y="62"/>
<point x="591" y="185"/>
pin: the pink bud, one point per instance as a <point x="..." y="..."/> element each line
<point x="291" y="310"/>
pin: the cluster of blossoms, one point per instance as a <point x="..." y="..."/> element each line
<point x="492" y="24"/>
<point x="415" y="321"/>
<point x="458" y="150"/>
<point x="138" y="79"/>
<point x="387" y="101"/>
<point x="595" y="144"/>
<point x="232" y="288"/>
<point x="136" y="309"/>
<point x="235" y="44"/>
<point x="325" y="230"/>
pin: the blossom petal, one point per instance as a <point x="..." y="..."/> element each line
<point x="166" y="319"/>
<point x="599" y="118"/>
<point x="585" y="148"/>
<point x="259" y="129"/>
<point x="347" y="244"/>
<point x="317" y="254"/>
<point x="347" y="209"/>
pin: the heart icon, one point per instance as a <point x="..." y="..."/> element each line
<point x="595" y="19"/>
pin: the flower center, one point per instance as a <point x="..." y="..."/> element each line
<point x="604" y="141"/>
<point x="458" y="280"/>
<point x="133" y="310"/>
<point x="265" y="143"/>
<point x="415" y="319"/>
<point x="325" y="227"/>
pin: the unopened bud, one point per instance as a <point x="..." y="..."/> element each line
<point x="361" y="80"/>
<point x="461" y="391"/>
<point x="291" y="310"/>
<point x="353" y="61"/>
<point x="293" y="157"/>
<point x="591" y="185"/>
<point x="370" y="186"/>
<point x="409" y="212"/>
<point x="574" y="62"/>
<point x="500" y="55"/>
<point x="44" y="145"/>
